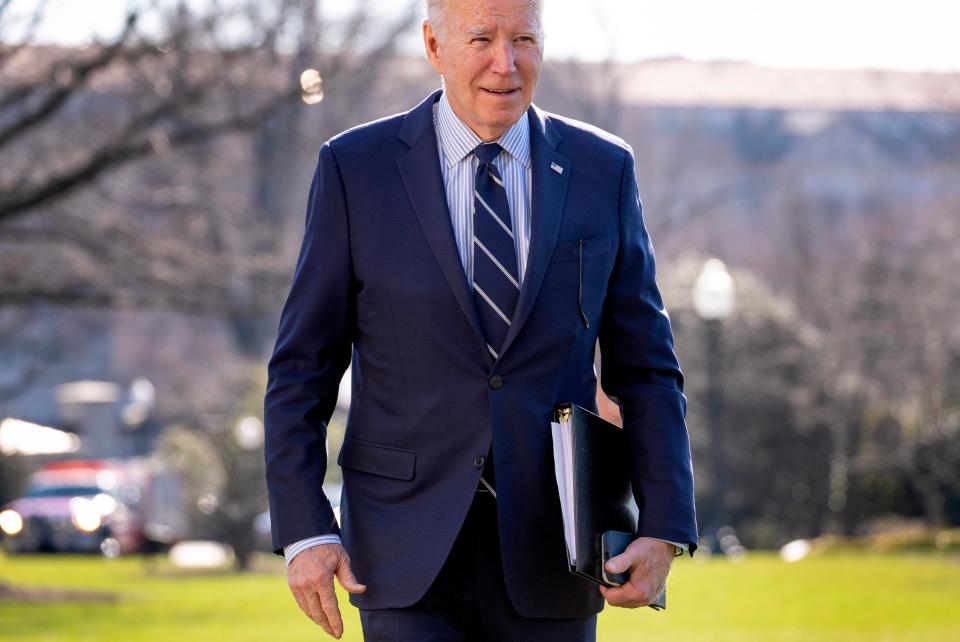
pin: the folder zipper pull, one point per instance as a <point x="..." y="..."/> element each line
<point x="583" y="315"/>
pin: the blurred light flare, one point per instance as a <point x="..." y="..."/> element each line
<point x="84" y="514"/>
<point x="142" y="391"/>
<point x="312" y="85"/>
<point x="106" y="479"/>
<point x="249" y="433"/>
<point x="134" y="414"/>
<point x="82" y="392"/>
<point x="105" y="504"/>
<point x="713" y="291"/>
<point x="208" y="503"/>
<point x="945" y="539"/>
<point x="10" y="522"/>
<point x="200" y="554"/>
<point x="26" y="438"/>
<point x="110" y="548"/>
<point x="796" y="550"/>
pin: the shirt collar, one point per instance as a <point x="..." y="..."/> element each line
<point x="458" y="141"/>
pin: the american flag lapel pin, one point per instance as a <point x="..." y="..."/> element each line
<point x="556" y="168"/>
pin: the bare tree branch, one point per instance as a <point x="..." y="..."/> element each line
<point x="15" y="203"/>
<point x="7" y="52"/>
<point x="131" y="114"/>
<point x="70" y="79"/>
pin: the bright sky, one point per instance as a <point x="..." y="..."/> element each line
<point x="883" y="34"/>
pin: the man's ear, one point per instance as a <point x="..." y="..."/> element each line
<point x="431" y="44"/>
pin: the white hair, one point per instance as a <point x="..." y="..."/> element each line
<point x="435" y="10"/>
<point x="436" y="14"/>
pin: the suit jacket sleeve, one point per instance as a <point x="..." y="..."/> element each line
<point x="640" y="370"/>
<point x="312" y="352"/>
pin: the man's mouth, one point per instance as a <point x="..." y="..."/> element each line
<point x="501" y="92"/>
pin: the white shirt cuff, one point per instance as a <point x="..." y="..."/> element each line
<point x="681" y="548"/>
<point x="292" y="550"/>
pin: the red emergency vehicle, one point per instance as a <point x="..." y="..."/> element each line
<point x="105" y="506"/>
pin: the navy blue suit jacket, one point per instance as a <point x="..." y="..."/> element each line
<point x="379" y="282"/>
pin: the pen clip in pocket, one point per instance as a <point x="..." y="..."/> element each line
<point x="583" y="315"/>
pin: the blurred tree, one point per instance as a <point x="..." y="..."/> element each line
<point x="220" y="464"/>
<point x="13" y="476"/>
<point x="156" y="170"/>
<point x="935" y="457"/>
<point x="777" y="446"/>
<point x="890" y="312"/>
<point x="191" y="456"/>
<point x="223" y="485"/>
<point x="176" y="87"/>
<point x="14" y="471"/>
<point x="194" y="75"/>
<point x="219" y="460"/>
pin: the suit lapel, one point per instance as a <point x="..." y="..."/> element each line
<point x="420" y="170"/>
<point x="551" y="175"/>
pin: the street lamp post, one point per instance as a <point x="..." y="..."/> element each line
<point x="713" y="300"/>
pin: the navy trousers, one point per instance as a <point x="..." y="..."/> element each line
<point x="468" y="601"/>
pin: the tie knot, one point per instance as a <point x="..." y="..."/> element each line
<point x="486" y="152"/>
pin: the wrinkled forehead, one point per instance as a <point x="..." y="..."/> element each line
<point x="486" y="15"/>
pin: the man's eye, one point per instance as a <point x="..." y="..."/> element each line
<point x="481" y="39"/>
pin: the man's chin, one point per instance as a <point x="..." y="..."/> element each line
<point x="505" y="117"/>
<point x="501" y="125"/>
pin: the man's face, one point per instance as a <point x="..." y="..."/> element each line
<point x="490" y="57"/>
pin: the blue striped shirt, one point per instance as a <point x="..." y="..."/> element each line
<point x="455" y="143"/>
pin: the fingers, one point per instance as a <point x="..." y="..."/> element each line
<point x="317" y="614"/>
<point x="649" y="564"/>
<point x="631" y="596"/>
<point x="346" y="578"/>
<point x="330" y="611"/>
<point x="309" y="603"/>
<point x="302" y="603"/>
<point x="618" y="564"/>
<point x="310" y="576"/>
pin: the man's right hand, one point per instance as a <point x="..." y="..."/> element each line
<point x="310" y="576"/>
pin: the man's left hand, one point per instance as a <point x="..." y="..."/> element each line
<point x="648" y="561"/>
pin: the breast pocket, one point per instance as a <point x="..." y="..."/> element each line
<point x="579" y="271"/>
<point x="581" y="249"/>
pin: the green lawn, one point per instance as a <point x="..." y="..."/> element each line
<point x="836" y="597"/>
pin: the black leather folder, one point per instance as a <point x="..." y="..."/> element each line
<point x="593" y="479"/>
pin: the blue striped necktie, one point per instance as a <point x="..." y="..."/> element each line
<point x="496" y="286"/>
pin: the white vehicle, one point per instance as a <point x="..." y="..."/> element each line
<point x="112" y="507"/>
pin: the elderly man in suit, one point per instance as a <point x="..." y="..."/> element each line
<point x="466" y="257"/>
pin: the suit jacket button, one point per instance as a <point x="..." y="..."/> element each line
<point x="479" y="461"/>
<point x="496" y="382"/>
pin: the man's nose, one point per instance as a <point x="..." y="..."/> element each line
<point x="504" y="58"/>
